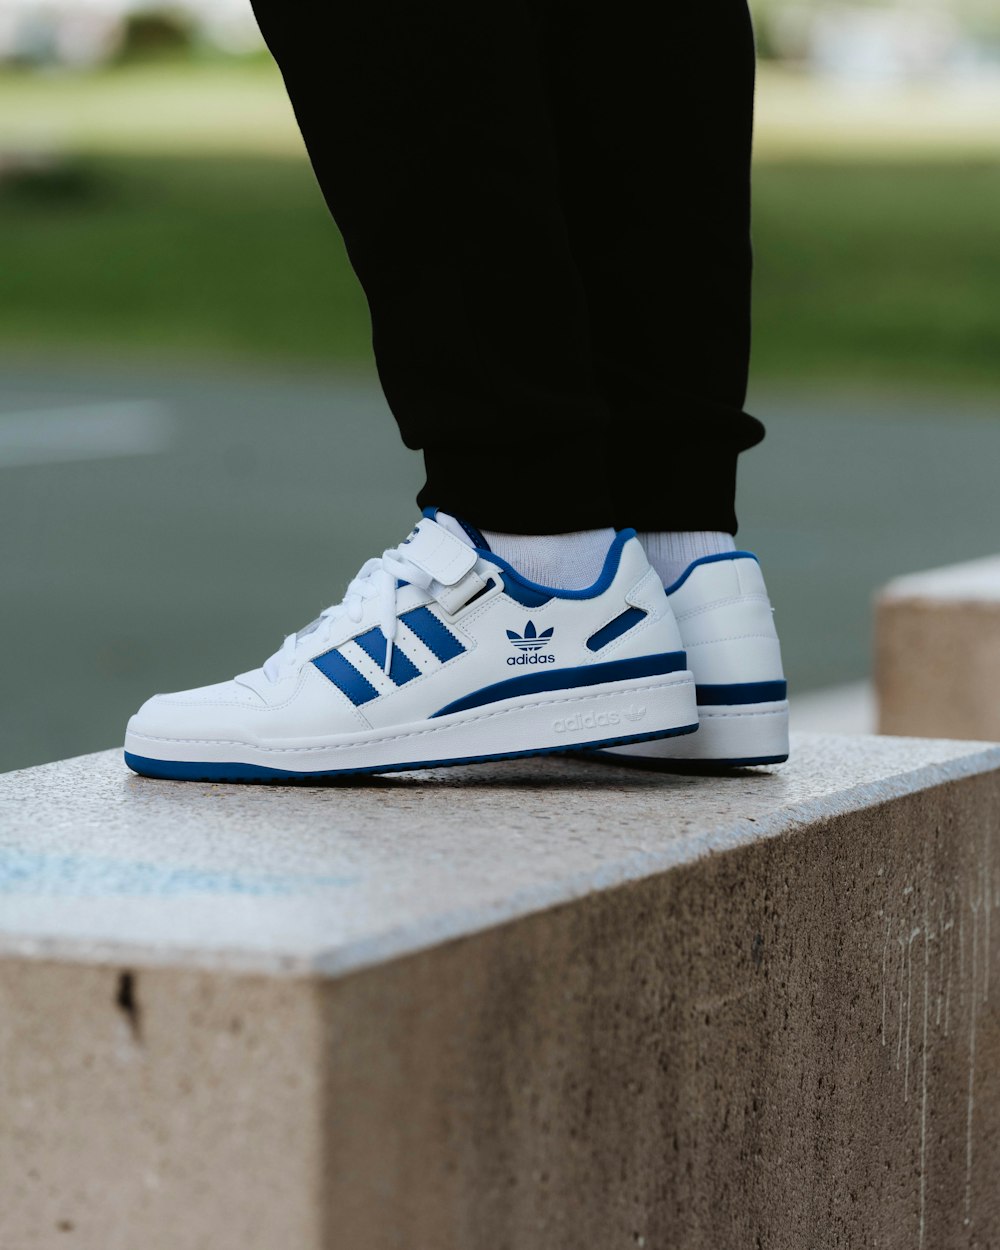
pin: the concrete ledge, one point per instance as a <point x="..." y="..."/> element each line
<point x="937" y="652"/>
<point x="847" y="709"/>
<point x="513" y="1006"/>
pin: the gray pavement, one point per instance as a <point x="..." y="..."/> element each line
<point x="163" y="527"/>
<point x="100" y="866"/>
<point x="527" y="1005"/>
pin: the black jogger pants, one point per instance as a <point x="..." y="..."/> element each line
<point x="547" y="204"/>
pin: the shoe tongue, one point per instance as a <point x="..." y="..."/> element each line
<point x="461" y="529"/>
<point x="308" y="629"/>
<point x="458" y="528"/>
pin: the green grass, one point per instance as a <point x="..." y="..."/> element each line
<point x="198" y="256"/>
<point x="181" y="107"/>
<point x="164" y="108"/>
<point x="878" y="272"/>
<point x="864" y="272"/>
<point x="186" y="222"/>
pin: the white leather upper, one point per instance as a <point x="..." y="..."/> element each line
<point x="304" y="703"/>
<point x="726" y="622"/>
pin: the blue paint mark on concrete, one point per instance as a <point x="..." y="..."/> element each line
<point x="27" y="872"/>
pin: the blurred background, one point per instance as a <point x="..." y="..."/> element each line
<point x="180" y="334"/>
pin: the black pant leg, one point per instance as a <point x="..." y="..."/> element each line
<point x="428" y="127"/>
<point x="653" y="110"/>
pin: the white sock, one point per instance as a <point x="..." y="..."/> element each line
<point x="565" y="561"/>
<point x="670" y="552"/>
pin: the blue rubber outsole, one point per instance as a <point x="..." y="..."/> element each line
<point x="183" y="770"/>
<point x="696" y="768"/>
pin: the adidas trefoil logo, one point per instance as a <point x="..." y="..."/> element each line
<point x="634" y="713"/>
<point x="531" y="644"/>
<point x="532" y="640"/>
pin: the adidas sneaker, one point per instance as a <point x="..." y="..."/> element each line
<point x="727" y="629"/>
<point x="440" y="653"/>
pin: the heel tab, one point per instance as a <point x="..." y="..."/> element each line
<point x="718" y="558"/>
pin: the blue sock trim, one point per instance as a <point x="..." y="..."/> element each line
<point x="714" y="559"/>
<point x="741" y="692"/>
<point x="349" y="680"/>
<point x="435" y="636"/>
<point x="614" y="629"/>
<point x="569" y="679"/>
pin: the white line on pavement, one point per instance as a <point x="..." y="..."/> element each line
<point x="84" y="432"/>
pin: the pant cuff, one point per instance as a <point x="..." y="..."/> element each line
<point x="527" y="482"/>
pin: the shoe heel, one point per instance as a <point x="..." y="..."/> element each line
<point x="635" y="712"/>
<point x="739" y="736"/>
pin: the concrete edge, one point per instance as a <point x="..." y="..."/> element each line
<point x="967" y="584"/>
<point x="458" y="923"/>
<point x="925" y="601"/>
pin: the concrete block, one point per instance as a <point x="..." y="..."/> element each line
<point x="525" y="1006"/>
<point x="937" y="652"/>
<point x="847" y="709"/>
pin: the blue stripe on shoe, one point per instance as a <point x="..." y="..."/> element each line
<point x="526" y="595"/>
<point x="614" y="629"/>
<point x="569" y="679"/>
<point x="717" y="558"/>
<point x="401" y="670"/>
<point x="741" y="692"/>
<point x="346" y="677"/>
<point x="180" y="770"/>
<point x="435" y="636"/>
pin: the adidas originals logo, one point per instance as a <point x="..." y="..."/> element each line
<point x="532" y="640"/>
<point x="597" y="720"/>
<point x="530" y="644"/>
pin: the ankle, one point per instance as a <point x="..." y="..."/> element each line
<point x="567" y="561"/>
<point x="670" y="552"/>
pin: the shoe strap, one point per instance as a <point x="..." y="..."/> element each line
<point x="446" y="558"/>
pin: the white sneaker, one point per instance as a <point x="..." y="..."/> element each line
<point x="727" y="629"/>
<point x="440" y="653"/>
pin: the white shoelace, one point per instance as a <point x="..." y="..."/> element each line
<point x="378" y="579"/>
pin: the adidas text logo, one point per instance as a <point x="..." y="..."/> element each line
<point x="597" y="720"/>
<point x="586" y="720"/>
<point x="531" y="645"/>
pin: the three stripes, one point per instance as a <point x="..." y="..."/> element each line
<point x="436" y="637"/>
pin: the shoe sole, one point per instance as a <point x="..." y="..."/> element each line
<point x="515" y="728"/>
<point x="738" y="736"/>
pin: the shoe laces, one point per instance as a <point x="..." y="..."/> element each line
<point x="379" y="579"/>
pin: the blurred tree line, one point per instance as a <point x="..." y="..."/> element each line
<point x="786" y="29"/>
